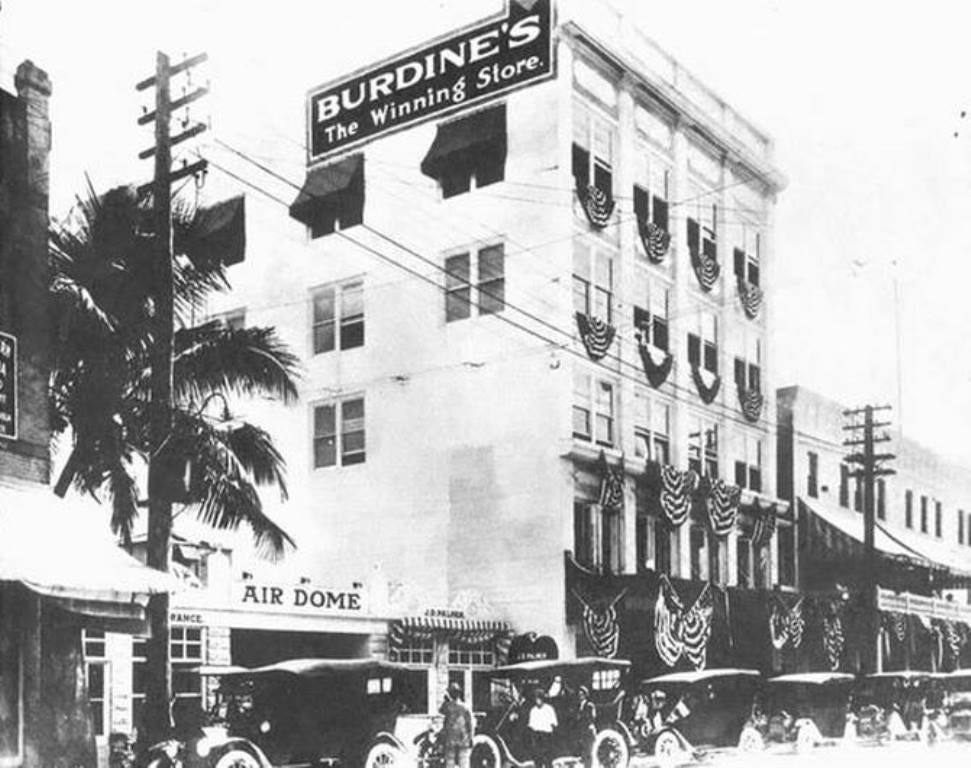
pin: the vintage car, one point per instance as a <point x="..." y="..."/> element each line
<point x="798" y="711"/>
<point x="335" y="712"/>
<point x="685" y="714"/>
<point x="502" y="737"/>
<point x="956" y="703"/>
<point x="890" y="706"/>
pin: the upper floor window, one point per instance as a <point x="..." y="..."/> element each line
<point x="339" y="433"/>
<point x="598" y="537"/>
<point x="844" y="485"/>
<point x="702" y="224"/>
<point x="651" y="190"/>
<point x="748" y="364"/>
<point x="651" y="317"/>
<point x="652" y="428"/>
<point x="593" y="281"/>
<point x="593" y="409"/>
<point x="468" y="151"/>
<point x="923" y="514"/>
<point x="338" y="316"/>
<point x="703" y="342"/>
<point x="748" y="462"/>
<point x="938" y="520"/>
<point x="332" y="196"/>
<point x="909" y="509"/>
<point x="703" y="446"/>
<point x="593" y="151"/>
<point x="482" y="271"/>
<point x="747" y="252"/>
<point x="812" y="477"/>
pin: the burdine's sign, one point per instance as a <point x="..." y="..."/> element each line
<point x="467" y="68"/>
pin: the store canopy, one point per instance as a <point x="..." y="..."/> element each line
<point x="841" y="530"/>
<point x="479" y="133"/>
<point x="67" y="554"/>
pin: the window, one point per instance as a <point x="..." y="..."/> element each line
<point x="471" y="654"/>
<point x="350" y="415"/>
<point x="703" y="447"/>
<point x="378" y="685"/>
<point x="909" y="509"/>
<point x="139" y="653"/>
<point x="703" y="343"/>
<point x="702" y="221"/>
<point x="605" y="679"/>
<point x="787" y="555"/>
<point x="667" y="549"/>
<point x="747" y="252"/>
<point x="593" y="151"/>
<point x="923" y="514"/>
<point x="651" y="317"/>
<point x="593" y="281"/>
<point x="598" y="537"/>
<point x="468" y="151"/>
<point x="744" y="558"/>
<point x="652" y="428"/>
<point x="593" y="406"/>
<point x="652" y="190"/>
<point x="812" y="479"/>
<point x="97" y="678"/>
<point x="748" y="364"/>
<point x="416" y="651"/>
<point x="748" y="464"/>
<point x="938" y="520"/>
<point x="186" y="648"/>
<point x="717" y="559"/>
<point x="844" y="486"/>
<point x="338" y="316"/>
<point x="482" y="272"/>
<point x="967" y="528"/>
<point x="882" y="499"/>
<point x="960" y="526"/>
<point x="857" y="494"/>
<point x="699" y="561"/>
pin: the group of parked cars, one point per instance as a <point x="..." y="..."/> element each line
<point x="352" y="714"/>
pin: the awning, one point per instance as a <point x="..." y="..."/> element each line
<point x="842" y="530"/>
<point x="461" y="629"/>
<point x="932" y="550"/>
<point x="66" y="553"/>
<point x="326" y="186"/>
<point x="467" y="137"/>
<point x="220" y="233"/>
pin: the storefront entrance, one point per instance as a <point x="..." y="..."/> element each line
<point x="257" y="647"/>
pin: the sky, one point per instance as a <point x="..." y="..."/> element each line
<point x="862" y="98"/>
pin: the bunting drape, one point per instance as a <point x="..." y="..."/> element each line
<point x="765" y="522"/>
<point x="596" y="204"/>
<point x="751" y="402"/>
<point x="786" y="624"/>
<point x="834" y="640"/>
<point x="611" y="484"/>
<point x="675" y="494"/>
<point x="656" y="373"/>
<point x="600" y="625"/>
<point x="596" y="335"/>
<point x="722" y="506"/>
<point x="656" y="240"/>
<point x="751" y="297"/>
<point x="706" y="269"/>
<point x="705" y="392"/>
<point x="679" y="632"/>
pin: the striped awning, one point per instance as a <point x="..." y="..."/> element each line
<point x="461" y="629"/>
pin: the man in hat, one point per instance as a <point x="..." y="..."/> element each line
<point x="458" y="728"/>
<point x="541" y="723"/>
<point x="586" y="724"/>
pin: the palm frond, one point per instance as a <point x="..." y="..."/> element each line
<point x="242" y="361"/>
<point x="124" y="502"/>
<point x="254" y="449"/>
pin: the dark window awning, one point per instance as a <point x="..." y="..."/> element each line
<point x="331" y="193"/>
<point x="219" y="233"/>
<point x="464" y="140"/>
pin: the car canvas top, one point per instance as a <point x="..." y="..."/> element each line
<point x="306" y="668"/>
<point x="695" y="676"/>
<point x="906" y="674"/>
<point x="541" y="665"/>
<point x="812" y="678"/>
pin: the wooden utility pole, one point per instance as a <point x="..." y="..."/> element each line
<point x="868" y="461"/>
<point x="158" y="683"/>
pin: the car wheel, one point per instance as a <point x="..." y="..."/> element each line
<point x="236" y="758"/>
<point x="383" y="755"/>
<point x="485" y="753"/>
<point x="751" y="740"/>
<point x="610" y="750"/>
<point x="667" y="748"/>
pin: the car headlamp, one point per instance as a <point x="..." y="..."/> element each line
<point x="265" y="726"/>
<point x="203" y="747"/>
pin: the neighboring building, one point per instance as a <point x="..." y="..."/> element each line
<point x="460" y="425"/>
<point x="922" y="528"/>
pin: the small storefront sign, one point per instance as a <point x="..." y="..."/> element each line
<point x="8" y="386"/>
<point x="466" y="68"/>
<point x="302" y="598"/>
<point x="532" y="647"/>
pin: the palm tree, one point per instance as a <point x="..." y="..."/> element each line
<point x="102" y="285"/>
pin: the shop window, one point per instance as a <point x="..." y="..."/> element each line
<point x="651" y="317"/>
<point x="652" y="428"/>
<point x="378" y="685"/>
<point x="593" y="409"/>
<point x="787" y="554"/>
<point x="338" y="316"/>
<point x="881" y="499"/>
<point x="343" y="419"/>
<point x="747" y="253"/>
<point x="923" y="514"/>
<point x="909" y="508"/>
<point x="703" y="342"/>
<point x="598" y="537"/>
<point x="471" y="654"/>
<point x="812" y="478"/>
<point x="651" y="190"/>
<point x="332" y="197"/>
<point x="481" y="273"/>
<point x="593" y="281"/>
<point x="605" y="679"/>
<point x="97" y="679"/>
<point x="469" y="152"/>
<point x="415" y="651"/>
<point x="748" y="464"/>
<point x="703" y="447"/>
<point x="938" y="520"/>
<point x="593" y="151"/>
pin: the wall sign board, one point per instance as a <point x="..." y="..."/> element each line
<point x="8" y="386"/>
<point x="466" y="68"/>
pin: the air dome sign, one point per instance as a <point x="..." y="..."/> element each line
<point x="466" y="68"/>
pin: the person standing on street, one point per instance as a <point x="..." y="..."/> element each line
<point x="586" y="725"/>
<point x="458" y="728"/>
<point x="541" y="724"/>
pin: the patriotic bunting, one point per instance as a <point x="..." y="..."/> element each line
<point x="611" y="485"/>
<point x="675" y="497"/>
<point x="600" y="626"/>
<point x="751" y="297"/>
<point x="786" y="625"/>
<point x="834" y="641"/>
<point x="898" y="625"/>
<point x="722" y="506"/>
<point x="679" y="632"/>
<point x="765" y="522"/>
<point x="706" y="269"/>
<point x="751" y="401"/>
<point x="656" y="240"/>
<point x="596" y="335"/>
<point x="707" y="393"/>
<point x="657" y="373"/>
<point x="596" y="204"/>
